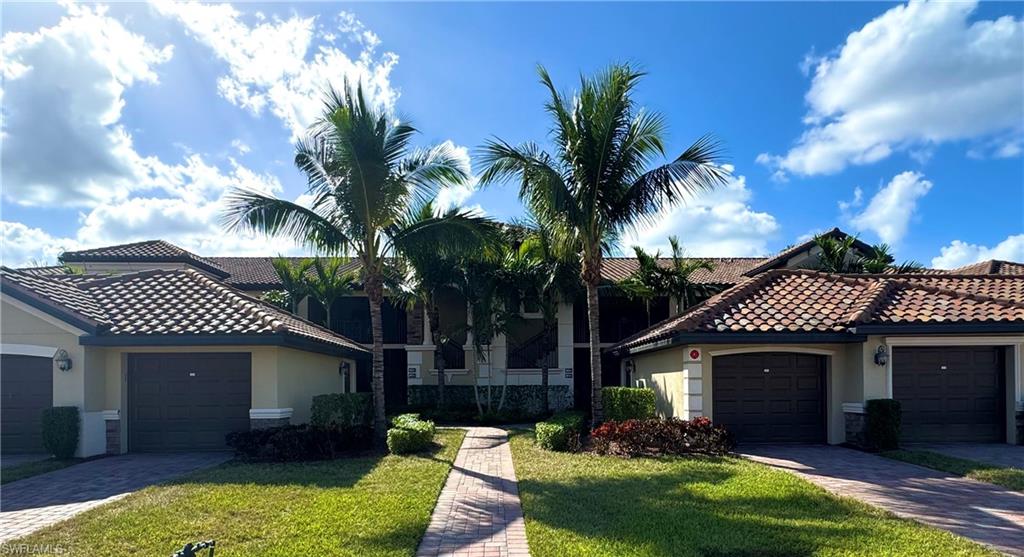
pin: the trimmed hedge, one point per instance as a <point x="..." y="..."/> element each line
<point x="655" y="437"/>
<point x="410" y="434"/>
<point x="297" y="443"/>
<point x="627" y="403"/>
<point x="883" y="419"/>
<point x="561" y="432"/>
<point x="522" y="401"/>
<point x="60" y="431"/>
<point x="342" y="410"/>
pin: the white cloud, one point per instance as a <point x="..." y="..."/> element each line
<point x="284" y="65"/>
<point x="960" y="253"/>
<point x="457" y="196"/>
<point x="889" y="212"/>
<point x="22" y="245"/>
<point x="63" y="143"/>
<point x="918" y="75"/>
<point x="721" y="224"/>
<point x="241" y="146"/>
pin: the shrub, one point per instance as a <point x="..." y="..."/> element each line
<point x="410" y="434"/>
<point x="883" y="417"/>
<point x="60" y="431"/>
<point x="522" y="402"/>
<point x="342" y="410"/>
<point x="653" y="437"/>
<point x="296" y="443"/>
<point x="627" y="403"/>
<point x="561" y="432"/>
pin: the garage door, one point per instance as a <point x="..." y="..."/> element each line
<point x="770" y="397"/>
<point x="186" y="402"/>
<point x="26" y="388"/>
<point x="950" y="393"/>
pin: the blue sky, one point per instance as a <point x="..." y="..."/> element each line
<point x="903" y="123"/>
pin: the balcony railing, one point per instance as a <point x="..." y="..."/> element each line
<point x="532" y="354"/>
<point x="454" y="356"/>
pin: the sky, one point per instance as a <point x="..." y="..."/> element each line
<point x="902" y="123"/>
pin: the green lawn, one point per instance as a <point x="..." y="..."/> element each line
<point x="29" y="469"/>
<point x="1010" y="478"/>
<point x="358" y="506"/>
<point x="584" y="504"/>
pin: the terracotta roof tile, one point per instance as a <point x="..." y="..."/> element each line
<point x="172" y="302"/>
<point x="150" y="251"/>
<point x="796" y="301"/>
<point x="727" y="270"/>
<point x="991" y="267"/>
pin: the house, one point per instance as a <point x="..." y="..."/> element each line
<point x="162" y="359"/>
<point x="132" y="316"/>
<point x="793" y="355"/>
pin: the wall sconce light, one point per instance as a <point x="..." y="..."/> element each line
<point x="62" y="360"/>
<point x="629" y="369"/>
<point x="344" y="369"/>
<point x="881" y="356"/>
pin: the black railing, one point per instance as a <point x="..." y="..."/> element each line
<point x="454" y="356"/>
<point x="532" y="353"/>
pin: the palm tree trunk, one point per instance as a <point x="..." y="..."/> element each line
<point x="434" y="317"/>
<point x="375" y="292"/>
<point x="594" y="321"/>
<point x="544" y="368"/>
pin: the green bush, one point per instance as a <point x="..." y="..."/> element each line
<point x="522" y="402"/>
<point x="60" y="431"/>
<point x="561" y="432"/>
<point x="627" y="403"/>
<point x="342" y="410"/>
<point x="883" y="418"/>
<point x="410" y="434"/>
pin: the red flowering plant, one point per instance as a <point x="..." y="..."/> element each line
<point x="652" y="437"/>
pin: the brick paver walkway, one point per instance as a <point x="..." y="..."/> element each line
<point x="33" y="503"/>
<point x="478" y="513"/>
<point x="980" y="511"/>
<point x="996" y="454"/>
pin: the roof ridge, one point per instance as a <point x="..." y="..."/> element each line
<point x="120" y="277"/>
<point x="876" y="293"/>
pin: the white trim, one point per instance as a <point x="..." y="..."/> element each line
<point x="28" y="350"/>
<point x="270" y="413"/>
<point x="772" y="348"/>
<point x="451" y="371"/>
<point x="953" y="341"/>
<point x="853" y="407"/>
<point x="111" y="415"/>
<point x="42" y="315"/>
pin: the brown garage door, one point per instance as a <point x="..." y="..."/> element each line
<point x="950" y="393"/>
<point x="770" y="397"/>
<point x="186" y="402"/>
<point x="26" y="388"/>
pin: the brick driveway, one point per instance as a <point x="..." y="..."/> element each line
<point x="980" y="511"/>
<point x="478" y="512"/>
<point x="33" y="503"/>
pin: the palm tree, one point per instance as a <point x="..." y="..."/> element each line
<point x="293" y="279"/>
<point x="332" y="279"/>
<point x="836" y="254"/>
<point x="552" y="276"/>
<point x="433" y="270"/>
<point x="674" y="280"/>
<point x="598" y="183"/>
<point x="362" y="175"/>
<point x="881" y="260"/>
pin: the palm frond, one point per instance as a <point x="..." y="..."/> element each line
<point x="255" y="211"/>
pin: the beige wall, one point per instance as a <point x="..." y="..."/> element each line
<point x="301" y="376"/>
<point x="663" y="372"/>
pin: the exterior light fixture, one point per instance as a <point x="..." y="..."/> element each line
<point x="881" y="356"/>
<point x="62" y="360"/>
<point x="629" y="370"/>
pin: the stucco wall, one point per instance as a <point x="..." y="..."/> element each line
<point x="303" y="375"/>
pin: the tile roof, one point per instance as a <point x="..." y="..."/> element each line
<point x="780" y="258"/>
<point x="51" y="291"/>
<point x="257" y="273"/>
<point x="800" y="301"/>
<point x="150" y="251"/>
<point x="172" y="302"/>
<point x="727" y="270"/>
<point x="991" y="267"/>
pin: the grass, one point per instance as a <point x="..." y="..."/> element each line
<point x="373" y="506"/>
<point x="29" y="469"/>
<point x="1010" y="478"/>
<point x="584" y="504"/>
